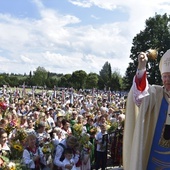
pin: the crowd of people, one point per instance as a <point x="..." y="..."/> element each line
<point x="65" y="129"/>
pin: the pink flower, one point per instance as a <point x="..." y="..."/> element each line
<point x="3" y="106"/>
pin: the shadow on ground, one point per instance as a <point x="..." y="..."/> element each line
<point x="110" y="165"/>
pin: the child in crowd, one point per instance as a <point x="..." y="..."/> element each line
<point x="86" y="161"/>
<point x="101" y="151"/>
<point x="68" y="154"/>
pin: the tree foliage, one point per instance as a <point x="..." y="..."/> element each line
<point x="105" y="76"/>
<point x="78" y="79"/>
<point x="156" y="35"/>
<point x="65" y="81"/>
<point x="116" y="81"/>
<point x="40" y="76"/>
<point x="92" y="81"/>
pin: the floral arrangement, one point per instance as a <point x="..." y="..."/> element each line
<point x="85" y="143"/>
<point x="9" y="166"/>
<point x="37" y="123"/>
<point x="77" y="129"/>
<point x="93" y="131"/>
<point x="15" y="165"/>
<point x="3" y="108"/>
<point x="20" y="135"/>
<point x="112" y="127"/>
<point x="68" y="116"/>
<point x="84" y="139"/>
<point x="3" y="105"/>
<point x="10" y="127"/>
<point x="47" y="148"/>
<point x="17" y="144"/>
<point x="16" y="150"/>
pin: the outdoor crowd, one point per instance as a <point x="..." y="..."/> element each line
<point x="65" y="129"/>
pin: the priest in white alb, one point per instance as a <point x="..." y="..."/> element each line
<point x="146" y="144"/>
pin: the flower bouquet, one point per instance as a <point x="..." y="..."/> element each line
<point x="77" y="130"/>
<point x="47" y="150"/>
<point x="17" y="144"/>
<point x="3" y="106"/>
<point x="20" y="135"/>
<point x="9" y="166"/>
<point x="85" y="142"/>
<point x="112" y="128"/>
<point x="16" y="150"/>
<point x="93" y="131"/>
<point x="10" y="127"/>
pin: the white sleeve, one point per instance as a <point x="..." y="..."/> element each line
<point x="76" y="158"/>
<point x="140" y="73"/>
<point x="27" y="159"/>
<point x="139" y="95"/>
<point x="58" y="154"/>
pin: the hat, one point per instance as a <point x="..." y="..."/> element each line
<point x="164" y="64"/>
<point x="60" y="114"/>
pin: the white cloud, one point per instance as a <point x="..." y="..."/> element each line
<point x="107" y="4"/>
<point x="82" y="3"/>
<point x="59" y="43"/>
<point x="26" y="59"/>
<point x="93" y="16"/>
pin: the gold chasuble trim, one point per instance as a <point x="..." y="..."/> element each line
<point x="164" y="142"/>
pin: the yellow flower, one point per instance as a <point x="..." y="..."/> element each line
<point x="93" y="131"/>
<point x="18" y="147"/>
<point x="11" y="166"/>
<point x="47" y="148"/>
<point x="78" y="127"/>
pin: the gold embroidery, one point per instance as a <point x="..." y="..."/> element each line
<point x="160" y="164"/>
<point x="163" y="153"/>
<point x="163" y="142"/>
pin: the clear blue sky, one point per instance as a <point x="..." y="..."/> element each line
<point x="69" y="35"/>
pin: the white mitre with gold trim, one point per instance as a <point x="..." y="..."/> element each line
<point x="164" y="64"/>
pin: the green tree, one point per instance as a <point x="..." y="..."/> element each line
<point x="116" y="81"/>
<point x="156" y="35"/>
<point x="40" y="76"/>
<point x="78" y="79"/>
<point x="92" y="80"/>
<point x="65" y="81"/>
<point x="105" y="76"/>
<point x="30" y="75"/>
